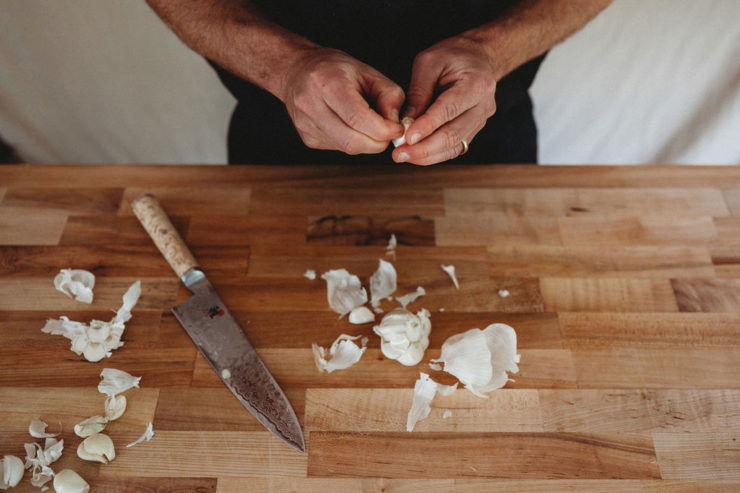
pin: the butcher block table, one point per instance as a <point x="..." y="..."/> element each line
<point x="624" y="290"/>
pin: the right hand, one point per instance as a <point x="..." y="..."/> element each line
<point x="327" y="94"/>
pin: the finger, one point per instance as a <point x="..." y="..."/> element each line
<point x="449" y="105"/>
<point x="424" y="77"/>
<point x="445" y="143"/>
<point x="347" y="102"/>
<point x="344" y="138"/>
<point x="388" y="97"/>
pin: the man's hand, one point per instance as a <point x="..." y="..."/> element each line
<point x="460" y="72"/>
<point x="327" y="96"/>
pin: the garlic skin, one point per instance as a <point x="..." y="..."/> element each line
<point x="115" y="406"/>
<point x="97" y="448"/>
<point x="68" y="481"/>
<point x="37" y="429"/>
<point x="450" y="270"/>
<point x="361" y="315"/>
<point x="343" y="352"/>
<point x="39" y="458"/>
<point x="382" y="282"/>
<point x="11" y="472"/>
<point x="310" y="274"/>
<point x="90" y="426"/>
<point x="145" y="437"/>
<point x="98" y="339"/>
<point x="407" y="299"/>
<point x="116" y="381"/>
<point x="76" y="283"/>
<point x="390" y="249"/>
<point x="406" y="121"/>
<point x="344" y="291"/>
<point x="404" y="336"/>
<point x="424" y="391"/>
<point x="481" y="359"/>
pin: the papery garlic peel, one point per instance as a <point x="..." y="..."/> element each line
<point x="342" y="354"/>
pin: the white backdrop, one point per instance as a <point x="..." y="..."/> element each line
<point x="649" y="81"/>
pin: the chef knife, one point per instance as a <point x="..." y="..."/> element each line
<point x="217" y="335"/>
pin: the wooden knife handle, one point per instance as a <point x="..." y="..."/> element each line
<point x="165" y="236"/>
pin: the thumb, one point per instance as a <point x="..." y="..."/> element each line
<point x="421" y="89"/>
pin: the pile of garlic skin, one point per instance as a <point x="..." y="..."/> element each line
<point x="96" y="446"/>
<point x="98" y="339"/>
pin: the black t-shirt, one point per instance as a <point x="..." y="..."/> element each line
<point x="387" y="35"/>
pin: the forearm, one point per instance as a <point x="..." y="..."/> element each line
<point x="531" y="28"/>
<point x="236" y="36"/>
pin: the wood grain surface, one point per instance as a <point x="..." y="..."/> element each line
<point x="624" y="290"/>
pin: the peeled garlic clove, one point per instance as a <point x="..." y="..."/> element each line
<point x="90" y="426"/>
<point x="406" y="122"/>
<point x="97" y="448"/>
<point x="116" y="381"/>
<point x="11" y="471"/>
<point x="344" y="291"/>
<point x="115" y="406"/>
<point x="407" y="299"/>
<point x="76" y="283"/>
<point x="404" y="336"/>
<point x="148" y="434"/>
<point x="450" y="270"/>
<point x="382" y="282"/>
<point x="37" y="429"/>
<point x="68" y="481"/>
<point x="424" y="391"/>
<point x="343" y="353"/>
<point x="361" y="315"/>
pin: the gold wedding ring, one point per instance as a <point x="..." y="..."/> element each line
<point x="465" y="147"/>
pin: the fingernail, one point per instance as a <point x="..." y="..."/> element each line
<point x="414" y="138"/>
<point x="403" y="157"/>
<point x="394" y="115"/>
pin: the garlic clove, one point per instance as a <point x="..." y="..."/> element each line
<point x="404" y="335"/>
<point x="90" y="426"/>
<point x="68" y="481"/>
<point x="343" y="353"/>
<point x="148" y="434"/>
<point x="97" y="448"/>
<point x="344" y="291"/>
<point x="37" y="429"/>
<point x="407" y="299"/>
<point x="406" y="121"/>
<point x="361" y="315"/>
<point x="310" y="274"/>
<point x="115" y="406"/>
<point x="382" y="282"/>
<point x="11" y="472"/>
<point x="76" y="283"/>
<point x="116" y="381"/>
<point x="424" y="391"/>
<point x="450" y="270"/>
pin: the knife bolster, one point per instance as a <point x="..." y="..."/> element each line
<point x="159" y="227"/>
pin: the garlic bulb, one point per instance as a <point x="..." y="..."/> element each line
<point x="404" y="336"/>
<point x="68" y="481"/>
<point x="361" y="315"/>
<point x="76" y="283"/>
<point x="97" y="448"/>
<point x="382" y="282"/>
<point x="11" y="472"/>
<point x="90" y="426"/>
<point x="116" y="381"/>
<point x="115" y="406"/>
<point x="343" y="352"/>
<point x="424" y="391"/>
<point x="480" y="359"/>
<point x="344" y="291"/>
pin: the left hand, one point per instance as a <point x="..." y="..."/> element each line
<point x="460" y="71"/>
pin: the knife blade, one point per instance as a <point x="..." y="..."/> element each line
<point x="217" y="335"/>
